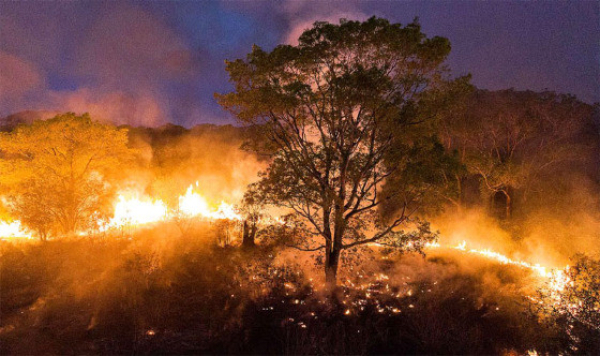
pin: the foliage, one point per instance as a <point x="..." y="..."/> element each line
<point x="511" y="139"/>
<point x="347" y="110"/>
<point x="252" y="208"/>
<point x="576" y="308"/>
<point x="57" y="172"/>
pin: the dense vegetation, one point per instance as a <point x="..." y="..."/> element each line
<point x="166" y="294"/>
<point x="366" y="146"/>
<point x="157" y="290"/>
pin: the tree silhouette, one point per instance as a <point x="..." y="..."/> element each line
<point x="348" y="116"/>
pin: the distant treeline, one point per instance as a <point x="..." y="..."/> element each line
<point x="521" y="150"/>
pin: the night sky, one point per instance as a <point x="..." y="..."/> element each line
<point x="148" y="63"/>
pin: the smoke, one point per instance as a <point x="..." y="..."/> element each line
<point x="207" y="157"/>
<point x="142" y="108"/>
<point x="549" y="236"/>
<point x="18" y="77"/>
<point x="302" y="14"/>
<point x="121" y="64"/>
<point x="127" y="54"/>
<point x="566" y="220"/>
<point x="220" y="168"/>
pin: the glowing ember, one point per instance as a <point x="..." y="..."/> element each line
<point x="13" y="230"/>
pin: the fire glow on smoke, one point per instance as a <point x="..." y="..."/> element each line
<point x="138" y="211"/>
<point x="132" y="209"/>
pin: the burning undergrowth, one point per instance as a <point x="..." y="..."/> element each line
<point x="161" y="291"/>
<point x="166" y="272"/>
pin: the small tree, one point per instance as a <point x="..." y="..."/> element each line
<point x="252" y="208"/>
<point x="57" y="172"/>
<point x="348" y="119"/>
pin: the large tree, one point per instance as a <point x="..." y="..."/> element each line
<point x="348" y="116"/>
<point x="57" y="172"/>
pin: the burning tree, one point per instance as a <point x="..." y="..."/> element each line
<point x="348" y="114"/>
<point x="55" y="171"/>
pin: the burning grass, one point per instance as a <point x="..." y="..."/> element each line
<point x="160" y="291"/>
<point x="164" y="278"/>
<point x="132" y="209"/>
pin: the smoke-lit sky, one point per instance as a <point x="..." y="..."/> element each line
<point x="147" y="63"/>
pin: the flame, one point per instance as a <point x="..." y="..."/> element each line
<point x="137" y="211"/>
<point x="13" y="230"/>
<point x="134" y="211"/>
<point x="557" y="278"/>
<point x="134" y="208"/>
<point x="192" y="204"/>
<point x="271" y="220"/>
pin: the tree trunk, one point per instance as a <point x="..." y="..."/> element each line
<point x="253" y="230"/>
<point x="508" y="208"/>
<point x="248" y="235"/>
<point x="331" y="266"/>
<point x="460" y="189"/>
<point x="333" y="254"/>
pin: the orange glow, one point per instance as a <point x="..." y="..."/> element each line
<point x="136" y="211"/>
<point x="556" y="277"/>
<point x="13" y="230"/>
<point x="192" y="204"/>
<point x="131" y="209"/>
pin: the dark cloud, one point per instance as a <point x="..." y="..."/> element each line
<point x="152" y="62"/>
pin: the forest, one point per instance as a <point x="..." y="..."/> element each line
<point x="366" y="202"/>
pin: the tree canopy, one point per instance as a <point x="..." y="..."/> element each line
<point x="57" y="172"/>
<point x="514" y="141"/>
<point x="349" y="115"/>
